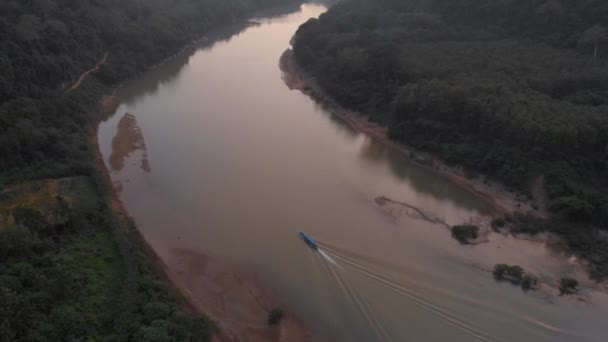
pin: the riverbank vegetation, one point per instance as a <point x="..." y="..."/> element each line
<point x="588" y="241"/>
<point x="70" y="272"/>
<point x="465" y="233"/>
<point x="516" y="275"/>
<point x="516" y="90"/>
<point x="70" y="267"/>
<point x="568" y="286"/>
<point x="46" y="45"/>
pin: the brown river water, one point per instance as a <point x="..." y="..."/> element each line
<point x="214" y="154"/>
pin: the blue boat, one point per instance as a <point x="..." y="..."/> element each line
<point x="309" y="240"/>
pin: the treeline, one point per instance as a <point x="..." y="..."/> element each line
<point x="46" y="44"/>
<point x="70" y="272"/>
<point x="512" y="89"/>
<point x="75" y="273"/>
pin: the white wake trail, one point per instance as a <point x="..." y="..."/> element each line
<point x="447" y="316"/>
<point x="328" y="258"/>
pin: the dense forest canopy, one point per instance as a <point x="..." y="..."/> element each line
<point x="515" y="89"/>
<point x="70" y="268"/>
<point x="46" y="44"/>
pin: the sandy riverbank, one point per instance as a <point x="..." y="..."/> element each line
<point x="230" y="294"/>
<point x="500" y="198"/>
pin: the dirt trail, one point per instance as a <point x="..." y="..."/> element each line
<point x="85" y="74"/>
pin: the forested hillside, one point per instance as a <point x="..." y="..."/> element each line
<point x="514" y="89"/>
<point x="46" y="44"/>
<point x="70" y="268"/>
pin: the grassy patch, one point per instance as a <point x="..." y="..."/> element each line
<point x="48" y="197"/>
<point x="40" y="194"/>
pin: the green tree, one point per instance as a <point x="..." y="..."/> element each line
<point x="528" y="282"/>
<point x="57" y="26"/>
<point x="568" y="286"/>
<point x="465" y="233"/>
<point x="28" y="27"/>
<point x="572" y="206"/>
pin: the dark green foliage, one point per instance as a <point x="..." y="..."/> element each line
<point x="572" y="206"/>
<point x="500" y="270"/>
<point x="505" y="97"/>
<point x="581" y="239"/>
<point x="17" y="241"/>
<point x="498" y="223"/>
<point x="528" y="282"/>
<point x="568" y="286"/>
<point x="29" y="217"/>
<point x="275" y="316"/>
<point x="516" y="275"/>
<point x="512" y="89"/>
<point x="51" y="288"/>
<point x="76" y="284"/>
<point x="44" y="50"/>
<point x="148" y="311"/>
<point x="514" y="272"/>
<point x="78" y="274"/>
<point x="465" y="233"/>
<point x="527" y="224"/>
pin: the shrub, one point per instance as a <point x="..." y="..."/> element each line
<point x="275" y="316"/>
<point x="30" y="218"/>
<point x="527" y="224"/>
<point x="528" y="282"/>
<point x="465" y="233"/>
<point x="155" y="311"/>
<point x="500" y="270"/>
<point x="572" y="206"/>
<point x="514" y="273"/>
<point x="16" y="241"/>
<point x="568" y="286"/>
<point x="498" y="223"/>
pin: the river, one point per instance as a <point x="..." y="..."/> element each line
<point x="213" y="154"/>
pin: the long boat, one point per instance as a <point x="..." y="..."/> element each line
<point x="309" y="240"/>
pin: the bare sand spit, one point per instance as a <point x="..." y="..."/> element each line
<point x="228" y="293"/>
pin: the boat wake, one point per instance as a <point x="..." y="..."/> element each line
<point x="410" y="294"/>
<point x="328" y="258"/>
<point x="549" y="327"/>
<point x="355" y="297"/>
